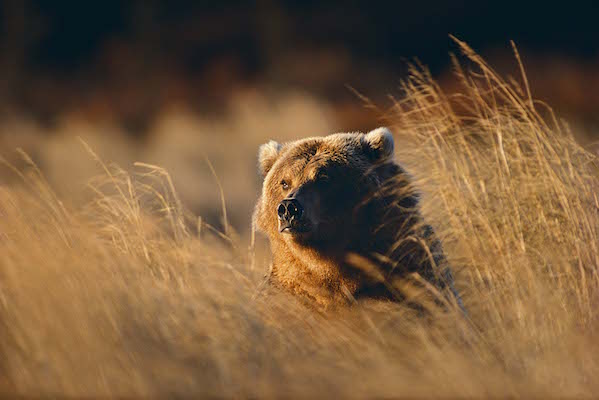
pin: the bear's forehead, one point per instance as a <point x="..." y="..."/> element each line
<point x="330" y="148"/>
<point x="342" y="150"/>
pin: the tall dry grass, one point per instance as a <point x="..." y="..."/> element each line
<point x="131" y="295"/>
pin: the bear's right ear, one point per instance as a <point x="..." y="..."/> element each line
<point x="379" y="144"/>
<point x="267" y="155"/>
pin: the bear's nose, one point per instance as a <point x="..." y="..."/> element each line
<point x="290" y="209"/>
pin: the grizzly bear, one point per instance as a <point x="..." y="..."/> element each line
<point x="343" y="221"/>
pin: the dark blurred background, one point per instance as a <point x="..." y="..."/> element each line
<point x="172" y="82"/>
<point x="128" y="59"/>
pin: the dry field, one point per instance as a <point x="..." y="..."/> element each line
<point x="117" y="288"/>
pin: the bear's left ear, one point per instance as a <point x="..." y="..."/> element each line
<point x="379" y="143"/>
<point x="267" y="155"/>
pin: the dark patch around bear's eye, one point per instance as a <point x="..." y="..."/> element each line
<point x="284" y="184"/>
<point x="322" y="177"/>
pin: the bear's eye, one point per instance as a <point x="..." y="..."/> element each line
<point x="323" y="177"/>
<point x="284" y="184"/>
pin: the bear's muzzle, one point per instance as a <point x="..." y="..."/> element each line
<point x="290" y="212"/>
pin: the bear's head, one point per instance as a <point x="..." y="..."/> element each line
<point x="313" y="188"/>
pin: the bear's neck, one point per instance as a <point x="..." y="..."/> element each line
<point x="306" y="271"/>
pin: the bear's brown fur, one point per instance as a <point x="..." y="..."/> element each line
<point x="342" y="219"/>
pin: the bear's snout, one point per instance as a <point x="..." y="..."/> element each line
<point x="290" y="212"/>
